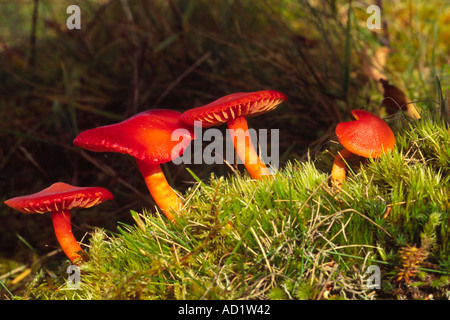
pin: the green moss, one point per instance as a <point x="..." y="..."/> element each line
<point x="240" y="238"/>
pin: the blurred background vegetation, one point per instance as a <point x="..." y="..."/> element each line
<point x="131" y="56"/>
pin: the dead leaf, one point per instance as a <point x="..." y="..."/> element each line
<point x="395" y="100"/>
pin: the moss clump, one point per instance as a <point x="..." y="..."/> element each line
<point x="291" y="237"/>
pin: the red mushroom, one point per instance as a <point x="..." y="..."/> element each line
<point x="147" y="136"/>
<point x="59" y="199"/>
<point x="233" y="109"/>
<point x="368" y="136"/>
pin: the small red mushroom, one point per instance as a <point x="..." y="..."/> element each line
<point x="234" y="110"/>
<point x="147" y="136"/>
<point x="368" y="136"/>
<point x="59" y="199"/>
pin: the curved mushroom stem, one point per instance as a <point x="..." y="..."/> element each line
<point x="63" y="232"/>
<point x="245" y="149"/>
<point x="338" y="172"/>
<point x="160" y="189"/>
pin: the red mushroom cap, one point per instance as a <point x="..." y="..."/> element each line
<point x="145" y="136"/>
<point x="59" y="197"/>
<point x="368" y="136"/>
<point x="248" y="104"/>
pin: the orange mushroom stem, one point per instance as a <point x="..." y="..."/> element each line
<point x="245" y="148"/>
<point x="164" y="196"/>
<point x="63" y="231"/>
<point x="338" y="170"/>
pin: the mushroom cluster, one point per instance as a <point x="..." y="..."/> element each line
<point x="148" y="137"/>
